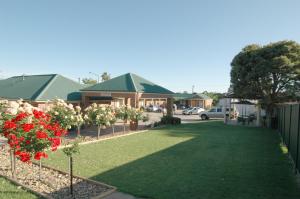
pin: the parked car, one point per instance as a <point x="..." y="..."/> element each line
<point x="154" y="108"/>
<point x="192" y="111"/>
<point x="215" y="112"/>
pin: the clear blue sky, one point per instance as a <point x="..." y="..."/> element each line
<point x="175" y="43"/>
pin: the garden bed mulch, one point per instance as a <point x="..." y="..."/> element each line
<point x="54" y="183"/>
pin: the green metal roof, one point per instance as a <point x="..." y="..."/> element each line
<point x="128" y="83"/>
<point x="40" y="88"/>
<point x="188" y="96"/>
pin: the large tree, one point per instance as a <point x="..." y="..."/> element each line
<point x="215" y="96"/>
<point x="270" y="73"/>
<point x="105" y="76"/>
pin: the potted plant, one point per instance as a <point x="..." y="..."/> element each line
<point x="135" y="115"/>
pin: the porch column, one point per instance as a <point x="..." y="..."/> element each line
<point x="170" y="107"/>
<point x="85" y="100"/>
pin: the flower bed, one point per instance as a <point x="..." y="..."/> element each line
<point x="53" y="183"/>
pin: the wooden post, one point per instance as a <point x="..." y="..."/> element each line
<point x="78" y="130"/>
<point x="40" y="169"/>
<point x="13" y="163"/>
<point x="99" y="129"/>
<point x="71" y="175"/>
<point x="289" y="142"/>
<point x="298" y="140"/>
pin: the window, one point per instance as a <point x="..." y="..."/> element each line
<point x="212" y="110"/>
<point x="219" y="110"/>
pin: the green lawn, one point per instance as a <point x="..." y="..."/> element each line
<point x="203" y="160"/>
<point x="11" y="191"/>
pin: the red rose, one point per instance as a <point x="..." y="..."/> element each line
<point x="17" y="153"/>
<point x="55" y="143"/>
<point x="20" y="116"/>
<point x="24" y="156"/>
<point x="13" y="137"/>
<point x="21" y="139"/>
<point x="41" y="135"/>
<point x="6" y="134"/>
<point x="40" y="155"/>
<point x="38" y="114"/>
<point x="28" y="127"/>
<point x="27" y="142"/>
<point x="9" y="125"/>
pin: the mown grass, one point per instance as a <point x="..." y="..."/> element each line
<point x="202" y="160"/>
<point x="11" y="191"/>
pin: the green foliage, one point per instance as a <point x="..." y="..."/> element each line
<point x="215" y="96"/>
<point x="270" y="73"/>
<point x="135" y="114"/>
<point x="170" y="120"/>
<point x="89" y="81"/>
<point x="71" y="150"/>
<point x="122" y="113"/>
<point x="105" y="76"/>
<point x="97" y="114"/>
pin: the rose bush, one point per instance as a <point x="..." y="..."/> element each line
<point x="62" y="113"/>
<point x="100" y="115"/>
<point x="29" y="131"/>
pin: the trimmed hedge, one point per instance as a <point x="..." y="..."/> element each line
<point x="170" y="120"/>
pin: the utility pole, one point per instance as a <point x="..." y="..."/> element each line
<point x="193" y="87"/>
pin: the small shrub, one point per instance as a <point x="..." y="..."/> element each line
<point x="170" y="120"/>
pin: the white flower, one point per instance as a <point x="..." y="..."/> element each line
<point x="56" y="113"/>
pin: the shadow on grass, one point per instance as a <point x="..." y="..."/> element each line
<point x="218" y="162"/>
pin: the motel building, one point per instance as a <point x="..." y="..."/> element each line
<point x="128" y="89"/>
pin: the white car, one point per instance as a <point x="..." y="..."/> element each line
<point x="215" y="112"/>
<point x="192" y="111"/>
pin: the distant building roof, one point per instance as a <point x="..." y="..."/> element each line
<point x="40" y="88"/>
<point x="188" y="96"/>
<point x="128" y="83"/>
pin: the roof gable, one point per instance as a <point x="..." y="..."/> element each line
<point x="128" y="83"/>
<point x="145" y="86"/>
<point x="25" y="87"/>
<point x="121" y="83"/>
<point x="40" y="88"/>
<point x="62" y="88"/>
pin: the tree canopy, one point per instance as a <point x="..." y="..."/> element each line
<point x="89" y="81"/>
<point x="270" y="73"/>
<point x="105" y="76"/>
<point x="215" y="96"/>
